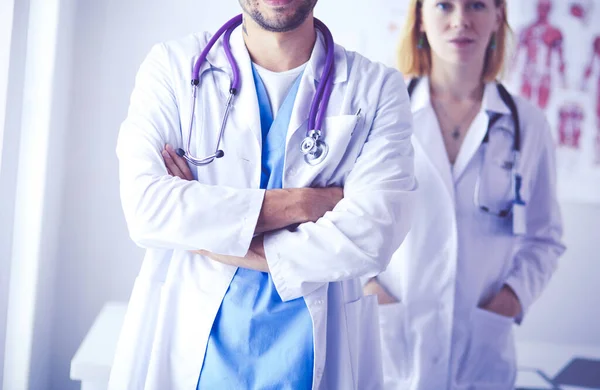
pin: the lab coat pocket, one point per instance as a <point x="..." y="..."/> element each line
<point x="363" y="339"/>
<point x="489" y="356"/>
<point x="340" y="157"/>
<point x="395" y="355"/>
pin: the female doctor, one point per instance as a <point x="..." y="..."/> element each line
<point x="487" y="228"/>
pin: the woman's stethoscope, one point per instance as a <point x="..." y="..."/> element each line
<point x="516" y="182"/>
<point x="313" y="147"/>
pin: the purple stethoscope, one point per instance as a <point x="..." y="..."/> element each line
<point x="313" y="147"/>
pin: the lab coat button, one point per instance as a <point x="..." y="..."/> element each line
<point x="291" y="172"/>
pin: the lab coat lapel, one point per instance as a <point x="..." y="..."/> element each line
<point x="428" y="133"/>
<point x="246" y="104"/>
<point x="306" y="91"/>
<point x="311" y="79"/>
<point x="491" y="103"/>
<point x="470" y="144"/>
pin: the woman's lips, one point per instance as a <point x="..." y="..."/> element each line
<point x="462" y="42"/>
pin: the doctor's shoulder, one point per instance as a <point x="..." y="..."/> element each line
<point x="374" y="76"/>
<point x="183" y="51"/>
<point x="169" y="63"/>
<point x="172" y="60"/>
<point x="381" y="89"/>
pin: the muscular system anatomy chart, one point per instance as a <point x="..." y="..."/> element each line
<point x="556" y="65"/>
<point x="541" y="42"/>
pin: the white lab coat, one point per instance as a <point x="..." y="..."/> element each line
<point x="177" y="294"/>
<point x="455" y="258"/>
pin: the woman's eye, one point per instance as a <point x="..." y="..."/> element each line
<point x="444" y="5"/>
<point x="477" y="5"/>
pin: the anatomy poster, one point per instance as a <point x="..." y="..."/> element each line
<point x="556" y="65"/>
<point x="554" y="62"/>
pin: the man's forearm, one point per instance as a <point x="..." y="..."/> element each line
<point x="285" y="207"/>
<point x="280" y="208"/>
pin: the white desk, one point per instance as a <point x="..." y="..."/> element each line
<point x="92" y="361"/>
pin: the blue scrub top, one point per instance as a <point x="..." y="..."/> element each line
<point x="257" y="341"/>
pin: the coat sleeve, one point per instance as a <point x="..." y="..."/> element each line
<point x="540" y="247"/>
<point x="163" y="211"/>
<point x="357" y="238"/>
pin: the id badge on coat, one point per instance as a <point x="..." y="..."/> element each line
<point x="519" y="208"/>
<point x="519" y="219"/>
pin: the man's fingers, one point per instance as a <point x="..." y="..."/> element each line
<point x="172" y="168"/>
<point x="180" y="162"/>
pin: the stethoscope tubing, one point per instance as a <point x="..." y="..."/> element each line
<point x="318" y="104"/>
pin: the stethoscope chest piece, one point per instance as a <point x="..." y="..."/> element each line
<point x="313" y="149"/>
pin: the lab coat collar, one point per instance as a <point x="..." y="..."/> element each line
<point x="318" y="57"/>
<point x="314" y="68"/>
<point x="421" y="97"/>
<point x="492" y="102"/>
<point x="310" y="80"/>
<point x="433" y="141"/>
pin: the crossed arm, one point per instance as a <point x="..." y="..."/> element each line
<point x="280" y="208"/>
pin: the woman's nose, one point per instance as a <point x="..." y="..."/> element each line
<point x="460" y="19"/>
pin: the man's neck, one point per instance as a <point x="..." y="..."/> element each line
<point x="279" y="52"/>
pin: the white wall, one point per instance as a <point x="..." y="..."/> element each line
<point x="40" y="61"/>
<point x="97" y="262"/>
<point x="6" y="38"/>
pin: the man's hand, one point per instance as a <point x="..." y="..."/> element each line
<point x="254" y="259"/>
<point x="505" y="303"/>
<point x="374" y="287"/>
<point x="176" y="166"/>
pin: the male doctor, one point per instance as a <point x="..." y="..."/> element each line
<point x="252" y="267"/>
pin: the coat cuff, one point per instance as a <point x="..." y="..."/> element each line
<point x="286" y="282"/>
<point x="522" y="294"/>
<point x="249" y="221"/>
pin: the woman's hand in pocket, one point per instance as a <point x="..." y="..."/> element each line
<point x="373" y="287"/>
<point x="505" y="303"/>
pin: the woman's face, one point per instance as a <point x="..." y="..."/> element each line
<point x="459" y="31"/>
